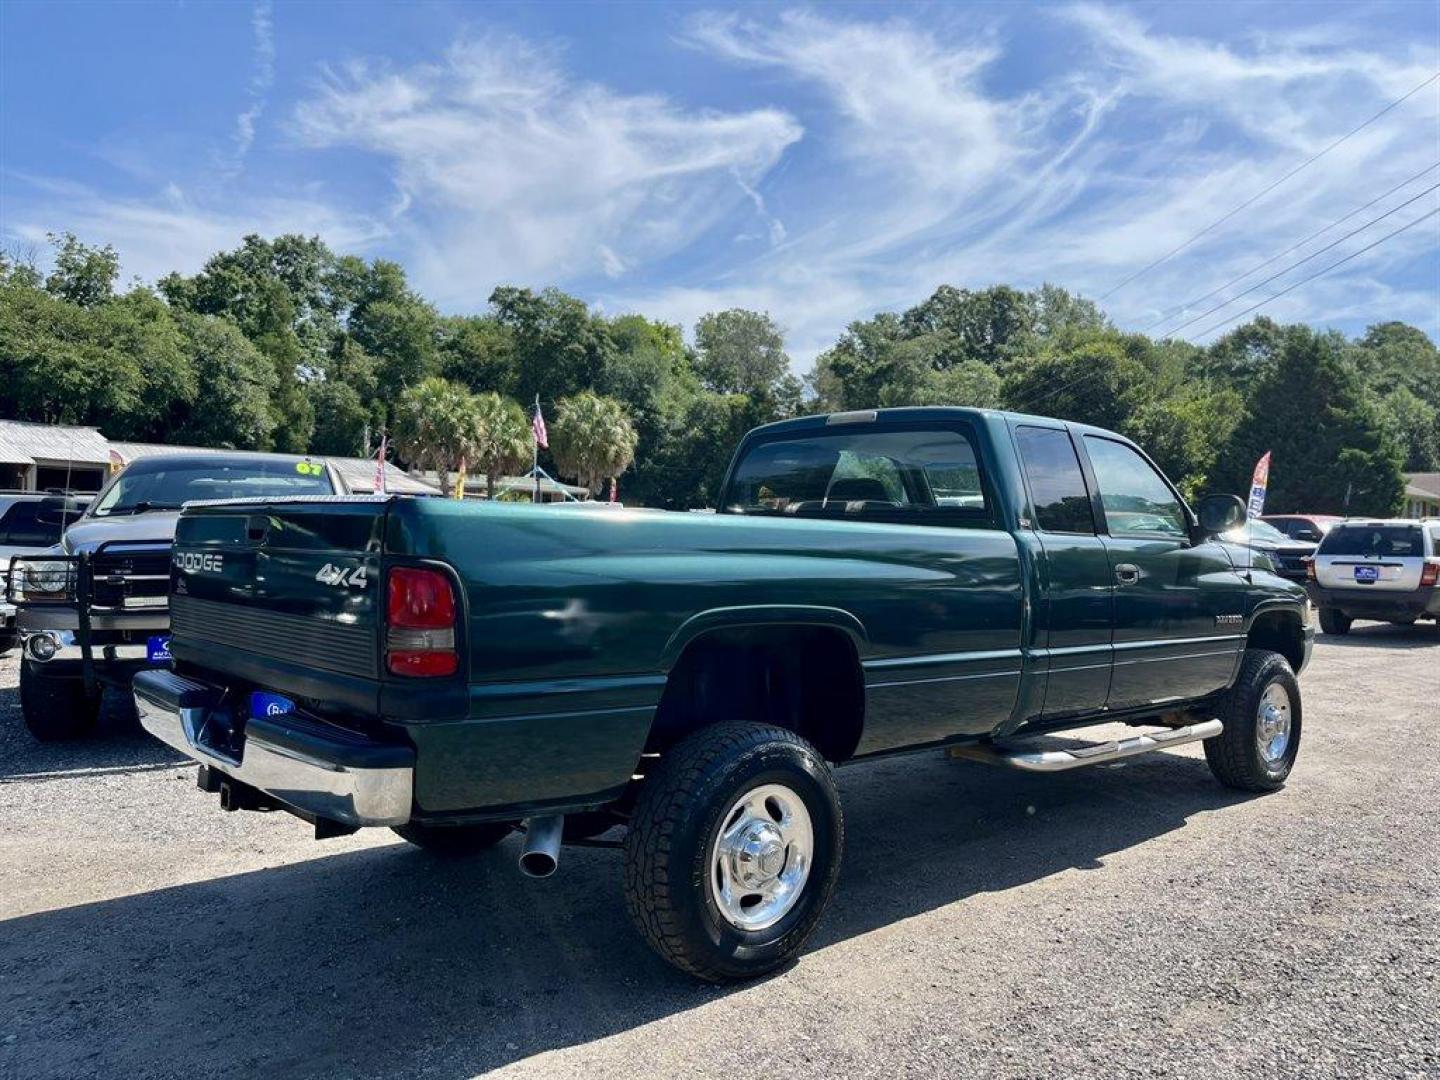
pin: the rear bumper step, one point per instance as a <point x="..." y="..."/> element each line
<point x="320" y="772"/>
<point x="1098" y="754"/>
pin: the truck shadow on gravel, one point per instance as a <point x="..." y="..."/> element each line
<point x="388" y="962"/>
<point x="118" y="745"/>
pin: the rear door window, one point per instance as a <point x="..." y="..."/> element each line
<point x="1057" y="486"/>
<point x="23" y="526"/>
<point x="915" y="476"/>
<point x="1374" y="541"/>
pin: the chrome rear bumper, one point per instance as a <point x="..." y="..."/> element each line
<point x="319" y="771"/>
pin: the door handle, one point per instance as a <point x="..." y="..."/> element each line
<point x="1127" y="573"/>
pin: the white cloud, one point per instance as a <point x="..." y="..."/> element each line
<point x="1097" y="171"/>
<point x="506" y="169"/>
<point x="170" y="231"/>
<point x="262" y="26"/>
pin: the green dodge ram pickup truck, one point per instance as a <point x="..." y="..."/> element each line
<point x="874" y="582"/>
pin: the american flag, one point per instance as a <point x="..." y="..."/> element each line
<point x="538" y="427"/>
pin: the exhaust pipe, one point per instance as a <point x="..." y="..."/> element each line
<point x="541" y="853"/>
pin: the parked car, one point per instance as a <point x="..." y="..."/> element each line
<point x="1385" y="570"/>
<point x="1310" y="528"/>
<point x="874" y="582"/>
<point x="30" y="522"/>
<point x="92" y="610"/>
<point x="1287" y="557"/>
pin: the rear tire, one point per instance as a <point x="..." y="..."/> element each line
<point x="455" y="841"/>
<point x="1262" y="717"/>
<point x="56" y="709"/>
<point x="733" y="850"/>
<point x="1334" y="622"/>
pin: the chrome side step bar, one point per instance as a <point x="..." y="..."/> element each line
<point x="1060" y="760"/>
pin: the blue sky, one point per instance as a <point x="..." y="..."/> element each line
<point x="822" y="163"/>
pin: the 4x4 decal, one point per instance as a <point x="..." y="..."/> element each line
<point x="342" y="577"/>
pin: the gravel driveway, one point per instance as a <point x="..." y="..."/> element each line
<point x="1133" y="920"/>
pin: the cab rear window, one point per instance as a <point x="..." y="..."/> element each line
<point x="907" y="476"/>
<point x="1374" y="541"/>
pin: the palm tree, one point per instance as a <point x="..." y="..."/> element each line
<point x="503" y="442"/>
<point x="593" y="439"/>
<point x="433" y="426"/>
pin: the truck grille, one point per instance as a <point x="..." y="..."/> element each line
<point x="318" y="642"/>
<point x="129" y="580"/>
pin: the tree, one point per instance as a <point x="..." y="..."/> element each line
<point x="561" y="348"/>
<point x="434" y="426"/>
<point x="1332" y="451"/>
<point x="504" y="441"/>
<point x="1415" y="425"/>
<point x="593" y="440"/>
<point x="478" y="351"/>
<point x="743" y="352"/>
<point x="236" y="382"/>
<point x="340" y="419"/>
<point x="83" y="275"/>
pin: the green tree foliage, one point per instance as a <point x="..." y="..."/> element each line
<point x="503" y="440"/>
<point x="1332" y="452"/>
<point x="592" y="439"/>
<point x="743" y="352"/>
<point x="234" y="408"/>
<point x="435" y="426"/>
<point x="341" y="419"/>
<point x="281" y="344"/>
<point x="560" y="347"/>
<point x="83" y="275"/>
<point x="478" y="351"/>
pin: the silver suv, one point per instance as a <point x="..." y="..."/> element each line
<point x="1385" y="570"/>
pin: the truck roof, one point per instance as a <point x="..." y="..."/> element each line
<point x="911" y="413"/>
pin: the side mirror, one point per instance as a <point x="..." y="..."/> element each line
<point x="1220" y="513"/>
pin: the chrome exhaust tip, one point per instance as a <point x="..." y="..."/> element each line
<point x="540" y="854"/>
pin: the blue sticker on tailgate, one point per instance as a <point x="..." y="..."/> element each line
<point x="157" y="649"/>
<point x="1367" y="574"/>
<point x="267" y="704"/>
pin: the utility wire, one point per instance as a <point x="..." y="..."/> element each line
<point x="1301" y="262"/>
<point x="1030" y="401"/>
<point x="1181" y="308"/>
<point x="1318" y="273"/>
<point x="1266" y="190"/>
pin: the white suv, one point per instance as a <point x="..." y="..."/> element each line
<point x="1385" y="570"/>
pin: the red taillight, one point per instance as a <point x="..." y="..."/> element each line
<point x="1430" y="572"/>
<point x="1310" y="567"/>
<point x="420" y="622"/>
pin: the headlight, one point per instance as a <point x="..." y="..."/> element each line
<point x="45" y="581"/>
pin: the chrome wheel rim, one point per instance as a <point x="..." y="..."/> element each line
<point x="760" y="859"/>
<point x="1272" y="723"/>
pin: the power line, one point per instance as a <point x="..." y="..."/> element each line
<point x="1179" y="308"/>
<point x="1318" y="273"/>
<point x="1301" y="262"/>
<point x="1031" y="401"/>
<point x="1265" y="191"/>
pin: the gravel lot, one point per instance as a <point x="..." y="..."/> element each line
<point x="1135" y="920"/>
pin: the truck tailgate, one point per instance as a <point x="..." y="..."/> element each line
<point x="283" y="593"/>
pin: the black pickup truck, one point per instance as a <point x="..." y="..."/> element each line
<point x="874" y="582"/>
